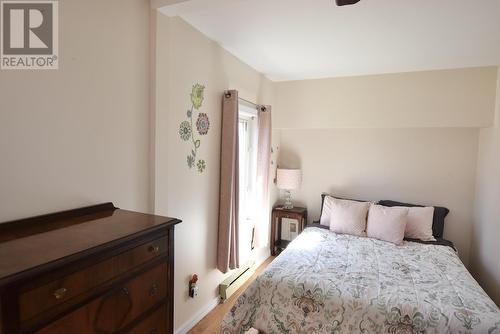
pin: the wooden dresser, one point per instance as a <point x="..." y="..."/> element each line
<point x="97" y="269"/>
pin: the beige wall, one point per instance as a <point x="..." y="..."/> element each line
<point x="409" y="137"/>
<point x="485" y="244"/>
<point x="186" y="57"/>
<point x="427" y="166"/>
<point x="450" y="98"/>
<point x="79" y="135"/>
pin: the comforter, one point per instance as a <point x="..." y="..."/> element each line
<point x="330" y="283"/>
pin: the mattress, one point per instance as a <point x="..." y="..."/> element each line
<point x="331" y="283"/>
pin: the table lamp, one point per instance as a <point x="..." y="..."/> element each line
<point x="288" y="179"/>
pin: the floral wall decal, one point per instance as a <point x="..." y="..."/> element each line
<point x="187" y="133"/>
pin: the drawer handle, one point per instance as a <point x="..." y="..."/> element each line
<point x="154" y="249"/>
<point x="153" y="290"/>
<point x="153" y="331"/>
<point x="59" y="293"/>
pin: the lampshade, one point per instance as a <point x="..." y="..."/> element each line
<point x="288" y="178"/>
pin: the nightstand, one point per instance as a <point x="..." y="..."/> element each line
<point x="297" y="213"/>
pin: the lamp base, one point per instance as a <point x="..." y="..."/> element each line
<point x="288" y="200"/>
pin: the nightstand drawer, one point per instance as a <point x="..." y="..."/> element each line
<point x="118" y="308"/>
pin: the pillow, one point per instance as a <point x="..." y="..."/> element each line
<point x="387" y="223"/>
<point x="326" y="207"/>
<point x="326" y="210"/>
<point x="419" y="223"/>
<point x="437" y="220"/>
<point x="348" y="217"/>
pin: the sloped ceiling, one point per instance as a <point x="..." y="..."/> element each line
<point x="304" y="39"/>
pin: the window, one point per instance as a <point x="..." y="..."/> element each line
<point x="247" y="136"/>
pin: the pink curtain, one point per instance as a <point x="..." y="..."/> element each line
<point x="228" y="243"/>
<point x="263" y="164"/>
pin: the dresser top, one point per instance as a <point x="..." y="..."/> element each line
<point x="30" y="243"/>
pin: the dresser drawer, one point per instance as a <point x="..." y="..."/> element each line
<point x="64" y="290"/>
<point x="117" y="309"/>
<point x="156" y="323"/>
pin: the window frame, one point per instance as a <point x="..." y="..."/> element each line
<point x="248" y="116"/>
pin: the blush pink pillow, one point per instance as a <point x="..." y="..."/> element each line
<point x="348" y="217"/>
<point x="419" y="224"/>
<point x="387" y="223"/>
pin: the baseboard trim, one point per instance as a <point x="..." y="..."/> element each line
<point x="186" y="327"/>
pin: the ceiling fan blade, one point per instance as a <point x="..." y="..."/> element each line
<point x="346" y="2"/>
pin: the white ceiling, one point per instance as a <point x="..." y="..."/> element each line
<point x="304" y="39"/>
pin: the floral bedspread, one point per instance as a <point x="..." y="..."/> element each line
<point x="330" y="283"/>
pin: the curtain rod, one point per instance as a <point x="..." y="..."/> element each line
<point x="227" y="94"/>
<point x="256" y="106"/>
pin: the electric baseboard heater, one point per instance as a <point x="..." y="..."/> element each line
<point x="231" y="284"/>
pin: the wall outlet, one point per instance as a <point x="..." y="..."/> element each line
<point x="193" y="291"/>
<point x="193" y="288"/>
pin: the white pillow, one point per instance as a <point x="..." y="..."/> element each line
<point x="348" y="217"/>
<point x="326" y="211"/>
<point x="387" y="223"/>
<point x="419" y="224"/>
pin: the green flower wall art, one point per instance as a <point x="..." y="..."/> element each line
<point x="187" y="131"/>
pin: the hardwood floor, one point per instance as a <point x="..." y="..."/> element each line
<point x="212" y="321"/>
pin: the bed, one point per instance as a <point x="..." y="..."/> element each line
<point x="325" y="282"/>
